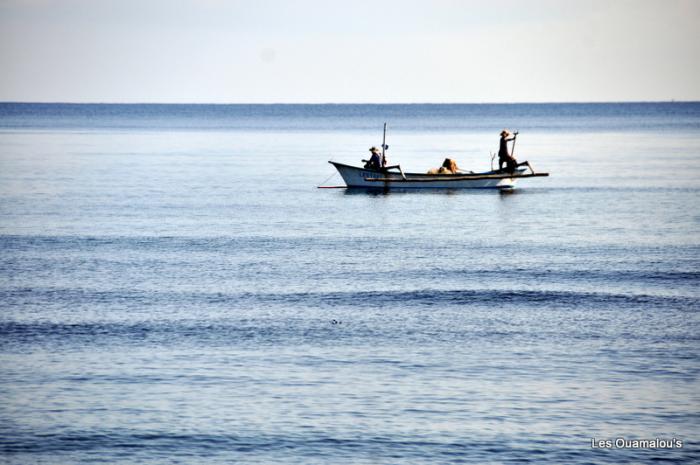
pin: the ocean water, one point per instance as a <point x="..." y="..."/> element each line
<point x="175" y="289"/>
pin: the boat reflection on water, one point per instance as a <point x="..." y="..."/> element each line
<point x="375" y="192"/>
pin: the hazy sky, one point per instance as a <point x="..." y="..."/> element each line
<point x="349" y="51"/>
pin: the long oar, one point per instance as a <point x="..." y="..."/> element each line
<point x="515" y="138"/>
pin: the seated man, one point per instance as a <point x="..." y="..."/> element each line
<point x="375" y="161"/>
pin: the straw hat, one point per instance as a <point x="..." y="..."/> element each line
<point x="374" y="149"/>
<point x="505" y="132"/>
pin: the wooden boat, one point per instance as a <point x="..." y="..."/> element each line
<point x="397" y="179"/>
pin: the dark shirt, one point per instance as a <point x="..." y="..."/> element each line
<point x="503" y="148"/>
<point x="375" y="161"/>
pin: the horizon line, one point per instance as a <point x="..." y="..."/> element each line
<point x="573" y="102"/>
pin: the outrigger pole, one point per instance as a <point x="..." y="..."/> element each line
<point x="384" y="147"/>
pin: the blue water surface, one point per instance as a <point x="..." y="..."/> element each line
<point x="174" y="288"/>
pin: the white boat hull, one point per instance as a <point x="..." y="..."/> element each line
<point x="360" y="177"/>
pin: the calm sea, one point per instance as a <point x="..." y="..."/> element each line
<point x="174" y="288"/>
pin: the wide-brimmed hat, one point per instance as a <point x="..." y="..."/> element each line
<point x="505" y="132"/>
<point x="374" y="149"/>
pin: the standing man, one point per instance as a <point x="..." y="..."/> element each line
<point x="504" y="157"/>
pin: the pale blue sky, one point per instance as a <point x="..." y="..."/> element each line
<point x="349" y="51"/>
